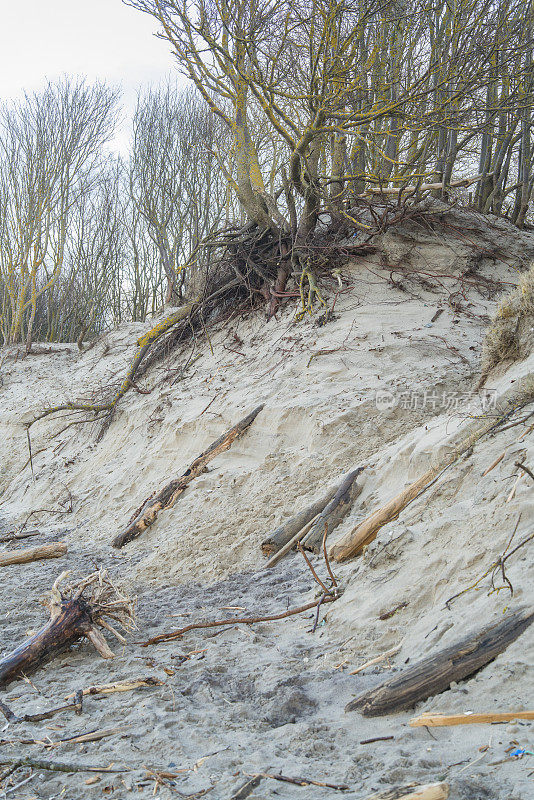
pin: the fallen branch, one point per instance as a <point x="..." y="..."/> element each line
<point x="54" y="766"/>
<point x="55" y="550"/>
<point x="430" y="720"/>
<point x="430" y="791"/>
<point x="295" y="540"/>
<point x="434" y="674"/>
<point x="167" y="497"/>
<point x="365" y="532"/>
<point x="39" y="717"/>
<point x="119" y="686"/>
<point x="72" y="617"/>
<point x="377" y="660"/>
<point x="168" y="637"/>
<point x="289" y="531"/>
<point x="302" y="781"/>
<point x="334" y="512"/>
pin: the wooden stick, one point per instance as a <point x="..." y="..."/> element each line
<point x="430" y="720"/>
<point x="495" y="463"/>
<point x="119" y="686"/>
<point x="430" y="791"/>
<point x="436" y="673"/>
<point x="365" y="532"/>
<point x="377" y="660"/>
<point x="167" y="497"/>
<point x="289" y="546"/>
<point x="290" y="529"/>
<point x="54" y="550"/>
<point x="167" y="637"/>
<point x="334" y="512"/>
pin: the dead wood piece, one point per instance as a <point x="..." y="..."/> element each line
<point x="72" y="617"/>
<point x="167" y="637"/>
<point x="56" y="766"/>
<point x="335" y="499"/>
<point x="434" y="674"/>
<point x="365" y="532"/>
<point x="334" y="512"/>
<point x="429" y="791"/>
<point x="295" y="540"/>
<point x="167" y="497"/>
<point x="119" y="686"/>
<point x="247" y="788"/>
<point x="304" y="781"/>
<point x="54" y="550"/>
<point x="376" y="660"/>
<point x="430" y="720"/>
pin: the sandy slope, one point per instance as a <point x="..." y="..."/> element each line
<point x="273" y="696"/>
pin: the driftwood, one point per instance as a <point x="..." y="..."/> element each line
<point x="430" y="791"/>
<point x="334" y="512"/>
<point x="329" y="509"/>
<point x="167" y="497"/>
<point x="294" y="541"/>
<point x="365" y="532"/>
<point x="289" y="530"/>
<point x="430" y="720"/>
<point x="119" y="686"/>
<point x="434" y="674"/>
<point x="72" y="616"/>
<point x="54" y="550"/>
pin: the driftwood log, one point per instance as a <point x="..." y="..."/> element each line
<point x="434" y="674"/>
<point x="335" y="498"/>
<point x="72" y="617"/>
<point x="430" y="720"/>
<point x="365" y="532"/>
<point x="54" y="550"/>
<point x="334" y="512"/>
<point x="430" y="791"/>
<point x="166" y="498"/>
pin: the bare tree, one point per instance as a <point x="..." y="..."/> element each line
<point x="50" y="149"/>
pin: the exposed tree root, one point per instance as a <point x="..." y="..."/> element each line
<point x="73" y="615"/>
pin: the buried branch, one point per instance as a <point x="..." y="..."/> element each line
<point x="77" y="611"/>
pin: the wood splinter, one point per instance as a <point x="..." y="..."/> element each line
<point x="73" y="615"/>
<point x="167" y="497"/>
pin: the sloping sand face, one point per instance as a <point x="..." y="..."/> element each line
<point x="384" y="384"/>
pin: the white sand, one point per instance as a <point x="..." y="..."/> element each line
<point x="273" y="696"/>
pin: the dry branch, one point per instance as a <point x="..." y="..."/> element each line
<point x="363" y="534"/>
<point x="289" y="530"/>
<point x="54" y="550"/>
<point x="335" y="511"/>
<point x="430" y="791"/>
<point x="119" y="686"/>
<point x="430" y="720"/>
<point x="435" y="673"/>
<point x="168" y="637"/>
<point x="167" y="497"/>
<point x="72" y="617"/>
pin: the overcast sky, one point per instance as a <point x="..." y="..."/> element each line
<point x="101" y="39"/>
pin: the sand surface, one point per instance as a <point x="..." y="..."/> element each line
<point x="242" y="700"/>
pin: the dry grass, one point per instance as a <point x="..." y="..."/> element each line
<point x="510" y="336"/>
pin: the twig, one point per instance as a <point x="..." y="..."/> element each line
<point x="303" y="781"/>
<point x="54" y="766"/>
<point x="377" y="739"/>
<point x="377" y="660"/>
<point x="167" y="637"/>
<point x="525" y="469"/>
<point x="308" y="562"/>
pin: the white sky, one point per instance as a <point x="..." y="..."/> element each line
<point x="100" y="39"/>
